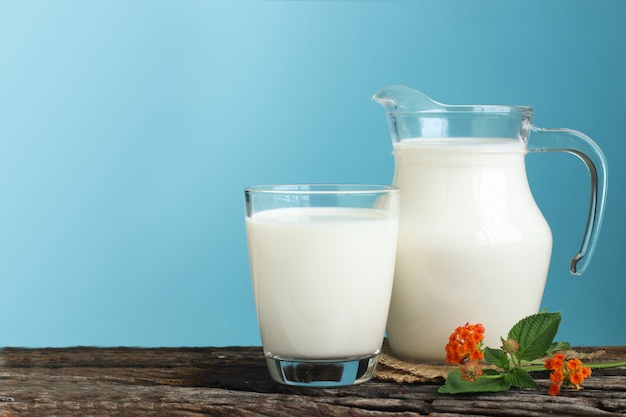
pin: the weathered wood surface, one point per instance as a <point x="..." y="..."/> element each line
<point x="234" y="382"/>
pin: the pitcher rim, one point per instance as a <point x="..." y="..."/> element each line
<point x="482" y="109"/>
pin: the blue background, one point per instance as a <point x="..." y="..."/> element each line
<point x="128" y="130"/>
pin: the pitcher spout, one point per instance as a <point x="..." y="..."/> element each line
<point x="400" y="98"/>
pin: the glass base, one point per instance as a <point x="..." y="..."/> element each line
<point x="322" y="373"/>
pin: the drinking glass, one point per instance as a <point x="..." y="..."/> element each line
<point x="322" y="260"/>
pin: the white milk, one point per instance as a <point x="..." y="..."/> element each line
<point x="472" y="246"/>
<point x="322" y="279"/>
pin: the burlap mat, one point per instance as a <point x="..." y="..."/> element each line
<point x="394" y="369"/>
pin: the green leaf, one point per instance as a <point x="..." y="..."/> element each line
<point x="492" y="372"/>
<point x="520" y="378"/>
<point x="486" y="383"/>
<point x="535" y="334"/>
<point x="496" y="357"/>
<point x="557" y="346"/>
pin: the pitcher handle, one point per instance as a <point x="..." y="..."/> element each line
<point x="581" y="145"/>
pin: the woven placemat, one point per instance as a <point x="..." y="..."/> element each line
<point x="391" y="368"/>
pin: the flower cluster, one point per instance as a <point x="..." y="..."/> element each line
<point x="465" y="348"/>
<point x="524" y="350"/>
<point x="570" y="373"/>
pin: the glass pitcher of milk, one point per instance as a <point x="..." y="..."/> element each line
<point x="473" y="246"/>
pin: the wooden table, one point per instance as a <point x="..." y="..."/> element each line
<point x="233" y="381"/>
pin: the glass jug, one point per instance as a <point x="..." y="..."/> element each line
<point x="470" y="230"/>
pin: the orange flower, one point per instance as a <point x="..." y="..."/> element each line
<point x="464" y="332"/>
<point x="465" y="343"/>
<point x="576" y="378"/>
<point x="453" y="357"/>
<point x="465" y="348"/>
<point x="476" y="355"/>
<point x="571" y="373"/>
<point x="573" y="364"/>
<point x="554" y="389"/>
<point x="559" y="358"/>
<point x="556" y="376"/>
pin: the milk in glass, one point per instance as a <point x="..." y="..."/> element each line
<point x="322" y="277"/>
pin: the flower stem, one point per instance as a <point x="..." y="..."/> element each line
<point x="600" y="365"/>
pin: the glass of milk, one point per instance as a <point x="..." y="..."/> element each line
<point x="322" y="260"/>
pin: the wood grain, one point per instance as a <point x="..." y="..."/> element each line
<point x="233" y="381"/>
